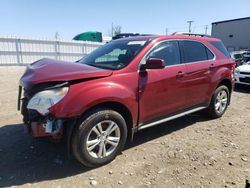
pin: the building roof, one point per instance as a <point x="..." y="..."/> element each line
<point x="238" y="19"/>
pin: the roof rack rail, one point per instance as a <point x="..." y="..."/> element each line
<point x="191" y="34"/>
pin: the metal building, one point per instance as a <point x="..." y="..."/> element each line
<point x="235" y="33"/>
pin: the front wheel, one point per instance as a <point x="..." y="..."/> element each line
<point x="219" y="102"/>
<point x="99" y="137"/>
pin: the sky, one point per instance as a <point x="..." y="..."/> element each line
<point x="43" y="18"/>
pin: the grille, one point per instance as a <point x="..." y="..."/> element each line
<point x="247" y="73"/>
<point x="247" y="80"/>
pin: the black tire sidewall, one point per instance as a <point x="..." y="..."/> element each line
<point x="86" y="126"/>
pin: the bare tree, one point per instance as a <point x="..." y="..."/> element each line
<point x="117" y="29"/>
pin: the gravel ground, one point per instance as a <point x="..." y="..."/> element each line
<point x="192" y="151"/>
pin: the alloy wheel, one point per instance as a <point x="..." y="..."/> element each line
<point x="103" y="139"/>
<point x="221" y="101"/>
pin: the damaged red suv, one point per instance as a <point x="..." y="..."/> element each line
<point x="126" y="85"/>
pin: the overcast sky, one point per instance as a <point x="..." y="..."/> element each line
<point x="43" y="18"/>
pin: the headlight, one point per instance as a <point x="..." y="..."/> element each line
<point x="43" y="100"/>
<point x="237" y="71"/>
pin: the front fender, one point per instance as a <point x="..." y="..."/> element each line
<point x="85" y="95"/>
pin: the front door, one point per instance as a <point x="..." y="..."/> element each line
<point x="162" y="91"/>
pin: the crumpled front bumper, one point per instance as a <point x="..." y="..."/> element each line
<point x="38" y="125"/>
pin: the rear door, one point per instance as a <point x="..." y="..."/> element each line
<point x="200" y="65"/>
<point x="162" y="91"/>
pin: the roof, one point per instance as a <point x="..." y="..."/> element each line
<point x="238" y="19"/>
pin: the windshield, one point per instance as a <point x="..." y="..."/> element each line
<point x="114" y="55"/>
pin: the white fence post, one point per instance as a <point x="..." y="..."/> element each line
<point x="17" y="43"/>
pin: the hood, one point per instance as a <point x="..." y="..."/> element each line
<point x="244" y="68"/>
<point x="48" y="70"/>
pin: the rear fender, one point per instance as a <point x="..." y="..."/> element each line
<point x="222" y="74"/>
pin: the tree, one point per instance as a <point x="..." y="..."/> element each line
<point x="117" y="29"/>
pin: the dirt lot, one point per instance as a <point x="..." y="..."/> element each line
<point x="192" y="151"/>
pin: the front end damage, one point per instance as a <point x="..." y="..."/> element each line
<point x="45" y="84"/>
<point x="34" y="106"/>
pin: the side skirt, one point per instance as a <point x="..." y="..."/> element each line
<point x="144" y="126"/>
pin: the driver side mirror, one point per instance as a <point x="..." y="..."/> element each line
<point x="153" y="63"/>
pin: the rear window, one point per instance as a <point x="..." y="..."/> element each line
<point x="221" y="48"/>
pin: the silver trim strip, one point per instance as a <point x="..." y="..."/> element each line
<point x="170" y="118"/>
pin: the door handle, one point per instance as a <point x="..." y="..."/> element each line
<point x="180" y="74"/>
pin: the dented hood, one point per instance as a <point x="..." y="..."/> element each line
<point x="48" y="70"/>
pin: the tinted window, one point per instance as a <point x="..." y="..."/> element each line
<point x="219" y="45"/>
<point x="210" y="55"/>
<point x="168" y="51"/>
<point x="194" y="51"/>
<point x="237" y="56"/>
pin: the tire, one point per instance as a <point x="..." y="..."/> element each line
<point x="99" y="137"/>
<point x="219" y="102"/>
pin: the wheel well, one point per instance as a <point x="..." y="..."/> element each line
<point x="227" y="83"/>
<point x="120" y="108"/>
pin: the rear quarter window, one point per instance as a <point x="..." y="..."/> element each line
<point x="220" y="46"/>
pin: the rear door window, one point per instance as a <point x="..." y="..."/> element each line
<point x="195" y="51"/>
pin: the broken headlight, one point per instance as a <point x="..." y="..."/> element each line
<point x="43" y="100"/>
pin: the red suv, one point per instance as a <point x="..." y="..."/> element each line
<point x="122" y="87"/>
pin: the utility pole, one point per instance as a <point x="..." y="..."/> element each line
<point x="57" y="36"/>
<point x="206" y="28"/>
<point x="166" y="30"/>
<point x="189" y="25"/>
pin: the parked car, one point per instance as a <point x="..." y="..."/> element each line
<point x="124" y="35"/>
<point x="238" y="57"/>
<point x="242" y="74"/>
<point x="246" y="56"/>
<point x="123" y="87"/>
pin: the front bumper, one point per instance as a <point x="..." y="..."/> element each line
<point x="242" y="79"/>
<point x="36" y="124"/>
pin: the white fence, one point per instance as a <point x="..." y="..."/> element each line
<point x="22" y="51"/>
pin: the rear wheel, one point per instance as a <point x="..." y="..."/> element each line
<point x="99" y="137"/>
<point x="219" y="102"/>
